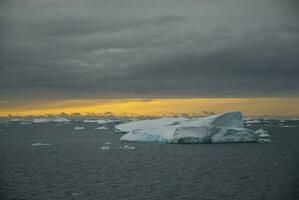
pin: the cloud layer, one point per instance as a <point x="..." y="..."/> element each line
<point x="133" y="48"/>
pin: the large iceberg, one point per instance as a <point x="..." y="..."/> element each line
<point x="221" y="128"/>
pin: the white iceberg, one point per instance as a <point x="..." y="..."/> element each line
<point x="251" y="122"/>
<point x="101" y="121"/>
<point x="50" y="119"/>
<point x="101" y="128"/>
<point x="264" y="140"/>
<point x="25" y="123"/>
<point x="287" y="126"/>
<point x="15" y="120"/>
<point x="127" y="147"/>
<point x="105" y="147"/>
<point x="221" y="128"/>
<point x="40" y="120"/>
<point x="79" y="128"/>
<point x="41" y="144"/>
<point x="262" y="133"/>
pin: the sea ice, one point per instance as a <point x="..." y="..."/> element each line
<point x="127" y="147"/>
<point x="221" y="128"/>
<point x="15" y="120"/>
<point x="254" y="121"/>
<point x="262" y="133"/>
<point x="79" y="128"/>
<point x="264" y="140"/>
<point x="105" y="147"/>
<point x="40" y="144"/>
<point x="50" y="119"/>
<point x="101" y="121"/>
<point x="287" y="126"/>
<point x="25" y="123"/>
<point x="101" y="128"/>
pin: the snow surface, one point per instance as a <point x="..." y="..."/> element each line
<point x="221" y="128"/>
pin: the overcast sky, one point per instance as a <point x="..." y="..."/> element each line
<point x="148" y="48"/>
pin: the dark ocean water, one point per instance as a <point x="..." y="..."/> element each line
<point x="75" y="167"/>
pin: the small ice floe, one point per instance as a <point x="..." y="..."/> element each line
<point x="51" y="119"/>
<point x="105" y="147"/>
<point x="15" y="120"/>
<point x="40" y="120"/>
<point x="127" y="147"/>
<point x="60" y="119"/>
<point x="262" y="133"/>
<point x="79" y="128"/>
<point x="40" y="144"/>
<point x="287" y="126"/>
<point x="25" y="123"/>
<point x="101" y="128"/>
<point x="101" y="121"/>
<point x="107" y="143"/>
<point x="250" y="122"/>
<point x="264" y="140"/>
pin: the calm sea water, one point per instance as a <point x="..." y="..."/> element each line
<point x="71" y="164"/>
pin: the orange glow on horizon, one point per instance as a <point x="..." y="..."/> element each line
<point x="285" y="106"/>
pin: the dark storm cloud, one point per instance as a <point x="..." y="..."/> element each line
<point x="148" y="48"/>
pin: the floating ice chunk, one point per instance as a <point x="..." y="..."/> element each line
<point x="105" y="147"/>
<point x="40" y="144"/>
<point x="226" y="127"/>
<point x="287" y="126"/>
<point x="15" y="120"/>
<point x="50" y="119"/>
<point x="264" y="140"/>
<point x="232" y="135"/>
<point x="79" y="128"/>
<point x="127" y="147"/>
<point x="40" y="120"/>
<point x="25" y="123"/>
<point x="60" y="119"/>
<point x="262" y="133"/>
<point x="255" y="121"/>
<point x="107" y="143"/>
<point x="101" y="128"/>
<point x="101" y="121"/>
